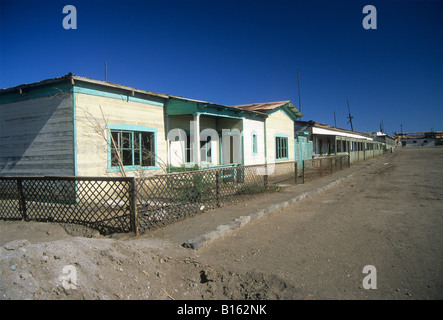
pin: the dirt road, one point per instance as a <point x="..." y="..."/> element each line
<point x="390" y="217"/>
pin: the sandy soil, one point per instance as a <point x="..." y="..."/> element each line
<point x="80" y="264"/>
<point x="389" y="216"/>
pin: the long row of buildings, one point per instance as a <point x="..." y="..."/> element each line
<point x="76" y="126"/>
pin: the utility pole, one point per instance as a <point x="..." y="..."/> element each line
<point x="350" y="117"/>
<point x="299" y="99"/>
<point x="106" y="76"/>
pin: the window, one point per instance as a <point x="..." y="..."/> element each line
<point x="135" y="148"/>
<point x="189" y="149"/>
<point x="254" y="144"/>
<point x="205" y="150"/>
<point x="281" y="148"/>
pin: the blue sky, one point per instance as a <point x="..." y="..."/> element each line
<point x="238" y="52"/>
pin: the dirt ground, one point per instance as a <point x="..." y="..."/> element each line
<point x="107" y="268"/>
<point x="389" y="215"/>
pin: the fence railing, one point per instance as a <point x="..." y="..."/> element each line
<point x="117" y="204"/>
<point x="102" y="203"/>
<point x="322" y="166"/>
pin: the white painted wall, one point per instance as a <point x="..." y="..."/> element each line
<point x="250" y="126"/>
<point x="92" y="148"/>
<point x="279" y="123"/>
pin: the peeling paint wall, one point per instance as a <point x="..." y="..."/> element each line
<point x="36" y="136"/>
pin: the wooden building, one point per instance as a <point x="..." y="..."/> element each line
<point x="76" y="126"/>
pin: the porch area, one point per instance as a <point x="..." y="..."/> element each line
<point x="202" y="135"/>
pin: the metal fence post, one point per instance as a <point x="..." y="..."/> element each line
<point x="303" y="170"/>
<point x="133" y="204"/>
<point x="296" y="172"/>
<point x="22" y="200"/>
<point x="217" y="187"/>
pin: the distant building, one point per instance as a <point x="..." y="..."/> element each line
<point x="420" y="139"/>
<point x="389" y="143"/>
<point x="329" y="140"/>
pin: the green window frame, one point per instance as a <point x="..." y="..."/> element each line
<point x="254" y="144"/>
<point x="281" y="147"/>
<point x="137" y="148"/>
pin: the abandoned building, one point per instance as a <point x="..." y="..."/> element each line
<point x="76" y="126"/>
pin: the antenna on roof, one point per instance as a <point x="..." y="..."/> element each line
<point x="335" y="121"/>
<point x="106" y="76"/>
<point x="299" y="99"/>
<point x="350" y="117"/>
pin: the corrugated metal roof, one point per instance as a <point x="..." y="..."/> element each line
<point x="257" y="108"/>
<point x="74" y="78"/>
<point x="262" y="106"/>
<point x="269" y="106"/>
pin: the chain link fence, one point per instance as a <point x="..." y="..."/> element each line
<point x="117" y="204"/>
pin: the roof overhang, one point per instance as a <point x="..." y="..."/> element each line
<point x="271" y="107"/>
<point x="69" y="81"/>
<point x="183" y="106"/>
<point x="329" y="132"/>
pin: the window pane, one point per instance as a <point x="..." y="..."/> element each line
<point x="114" y="156"/>
<point x="126" y="140"/>
<point x="148" y="149"/>
<point x="277" y="148"/>
<point x="116" y="138"/>
<point x="127" y="157"/>
<point x="189" y="156"/>
<point x="205" y="150"/>
<point x="137" y="148"/>
<point x="202" y="150"/>
<point x="208" y="149"/>
<point x="286" y="147"/>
